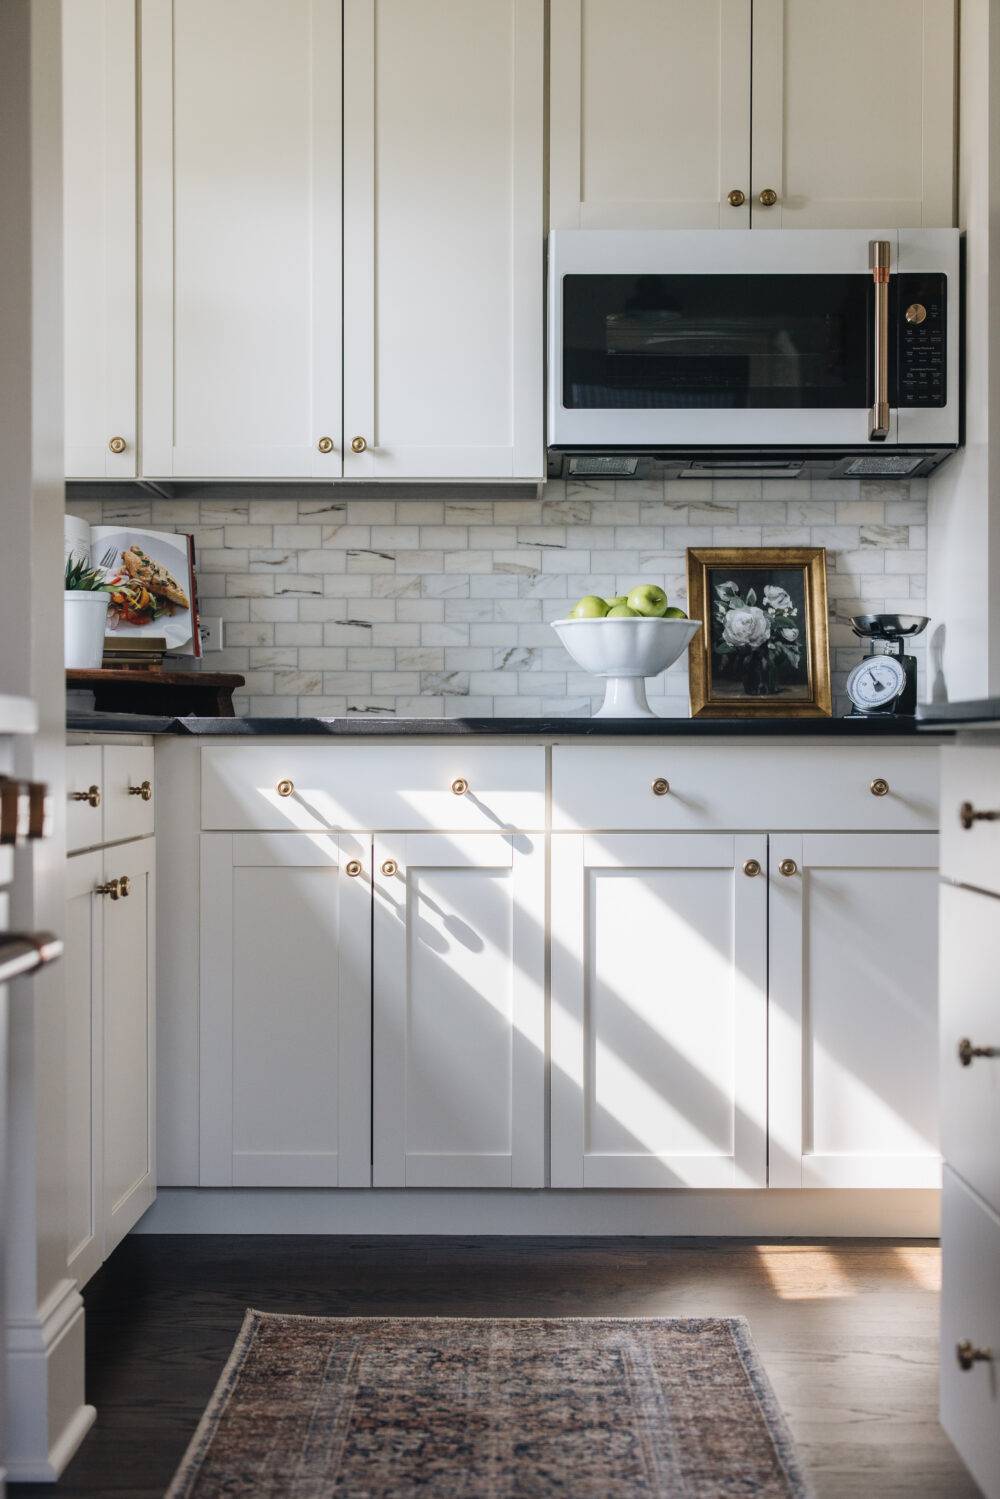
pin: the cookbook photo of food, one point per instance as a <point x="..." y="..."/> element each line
<point x="149" y="578"/>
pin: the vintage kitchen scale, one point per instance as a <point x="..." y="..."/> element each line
<point x="885" y="682"/>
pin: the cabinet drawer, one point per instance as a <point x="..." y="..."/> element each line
<point x="727" y="786"/>
<point x="379" y="786"/>
<point x="970" y="1311"/>
<point x="128" y="773"/>
<point x="970" y="849"/>
<point x="84" y="773"/>
<point x="970" y="1011"/>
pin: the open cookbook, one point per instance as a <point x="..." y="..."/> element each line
<point x="150" y="580"/>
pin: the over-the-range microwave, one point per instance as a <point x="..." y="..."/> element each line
<point x="753" y="353"/>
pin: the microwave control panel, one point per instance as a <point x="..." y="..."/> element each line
<point x="921" y="360"/>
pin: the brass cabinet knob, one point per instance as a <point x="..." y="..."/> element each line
<point x="966" y="1051"/>
<point x="968" y="1354"/>
<point x="325" y="444"/>
<point x="736" y="198"/>
<point x="788" y="867"/>
<point x="751" y="867"/>
<point x="110" y="887"/>
<point x="916" y="313"/>
<point x="967" y="815"/>
<point x="124" y="886"/>
<point x="879" y="787"/>
<point x="117" y="444"/>
<point x="145" y="791"/>
<point x="92" y="796"/>
<point x="767" y="197"/>
<point x="285" y="788"/>
<point x="358" y="444"/>
<point x="460" y="785"/>
<point x="660" y="786"/>
<point x="353" y="868"/>
<point x="389" y="868"/>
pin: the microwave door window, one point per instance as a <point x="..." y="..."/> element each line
<point x="716" y="342"/>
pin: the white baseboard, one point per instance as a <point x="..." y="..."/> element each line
<point x="47" y="1417"/>
<point x="764" y="1214"/>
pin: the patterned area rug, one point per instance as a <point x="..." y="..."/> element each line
<point x="313" y="1407"/>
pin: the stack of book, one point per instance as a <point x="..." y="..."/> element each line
<point x="140" y="652"/>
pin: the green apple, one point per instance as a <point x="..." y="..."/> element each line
<point x="589" y="607"/>
<point x="621" y="598"/>
<point x="622" y="611"/>
<point x="649" y="600"/>
<point x="673" y="613"/>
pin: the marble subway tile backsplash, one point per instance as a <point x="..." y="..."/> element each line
<point x="439" y="607"/>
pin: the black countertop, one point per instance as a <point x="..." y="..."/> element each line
<point x="981" y="713"/>
<point x="363" y="727"/>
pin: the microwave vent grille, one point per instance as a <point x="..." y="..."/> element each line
<point x="884" y="465"/>
<point x="604" y="466"/>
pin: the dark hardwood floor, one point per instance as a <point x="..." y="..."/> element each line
<point x="847" y="1332"/>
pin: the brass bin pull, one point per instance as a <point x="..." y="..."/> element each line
<point x="353" y="868"/>
<point x="879" y="258"/>
<point x="968" y="1354"/>
<point x="966" y="1051"/>
<point x="660" y="787"/>
<point x="92" y="796"/>
<point x="879" y="787"/>
<point x="285" y="787"/>
<point x="751" y="867"/>
<point x="460" y="785"/>
<point x="389" y="868"/>
<point x="967" y="815"/>
<point x="788" y="867"/>
<point x="145" y="790"/>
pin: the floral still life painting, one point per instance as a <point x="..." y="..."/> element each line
<point x="763" y="650"/>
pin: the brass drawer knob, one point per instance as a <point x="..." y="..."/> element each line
<point x="736" y="198"/>
<point x="389" y="868"/>
<point x="460" y="785"/>
<point x="358" y="444"/>
<point x="879" y="787"/>
<point x="788" y="867"/>
<point x="325" y="444"/>
<point x="285" y="788"/>
<point x="117" y="444"/>
<point x="751" y="867"/>
<point x="968" y="1354"/>
<point x="967" y="815"/>
<point x="660" y="786"/>
<point x="966" y="1051"/>
<point x="353" y="868"/>
<point x="767" y="197"/>
<point x="110" y="887"/>
<point x="145" y="791"/>
<point x="92" y="796"/>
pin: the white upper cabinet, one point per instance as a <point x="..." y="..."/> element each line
<point x="650" y="114"/>
<point x="443" y="157"/>
<point x="241" y="238"/>
<point x="99" y="261"/>
<point x="853" y="113"/>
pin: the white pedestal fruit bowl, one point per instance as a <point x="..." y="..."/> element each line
<point x="625" y="652"/>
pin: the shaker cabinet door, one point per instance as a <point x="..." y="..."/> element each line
<point x="659" y="1027"/>
<point x="443" y="239"/>
<point x="285" y="1010"/>
<point x="853" y="1010"/>
<point x="649" y="114"/>
<point x="241" y="238"/>
<point x="459" y="1014"/>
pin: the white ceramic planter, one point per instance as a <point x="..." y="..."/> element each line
<point x="84" y="617"/>
<point x="625" y="652"/>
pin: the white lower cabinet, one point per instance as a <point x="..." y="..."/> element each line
<point x="970" y="1330"/>
<point x="659" y="1010"/>
<point x="110" y="1037"/>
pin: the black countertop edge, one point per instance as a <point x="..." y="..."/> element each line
<point x="358" y="727"/>
<point x="981" y="712"/>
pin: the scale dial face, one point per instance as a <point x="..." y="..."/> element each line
<point x="875" y="683"/>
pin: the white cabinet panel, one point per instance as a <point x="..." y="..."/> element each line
<point x="650" y="114"/>
<point x="285" y="1011"/>
<point x="127" y="812"/>
<point x="970" y="989"/>
<point x="459" y="1041"/>
<point x="241" y="238"/>
<point x="83" y="965"/>
<point x="443" y="160"/>
<point x="85" y="796"/>
<point x="99" y="223"/>
<point x="658" y="1023"/>
<point x="129" y="1184"/>
<point x="970" y="814"/>
<point x="853" y="1011"/>
<point x="970" y="1312"/>
<point x="854" y="113"/>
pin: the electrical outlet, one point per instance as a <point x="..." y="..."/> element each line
<point x="211" y="633"/>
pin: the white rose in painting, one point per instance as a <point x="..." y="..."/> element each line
<point x="789" y="634"/>
<point x="746" y="629"/>
<point x="777" y="598"/>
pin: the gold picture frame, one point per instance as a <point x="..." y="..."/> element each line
<point x="735" y="670"/>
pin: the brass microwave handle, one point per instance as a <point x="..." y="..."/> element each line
<point x="879" y="256"/>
